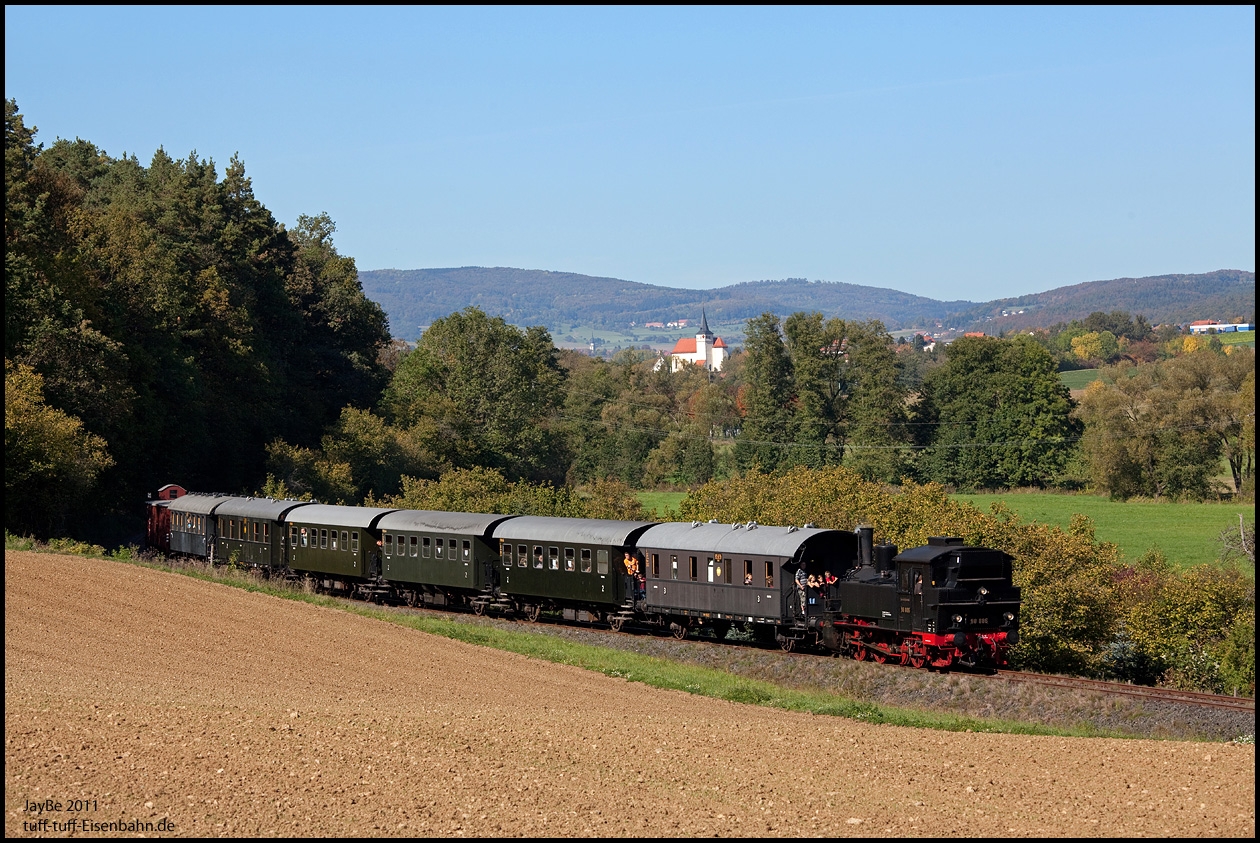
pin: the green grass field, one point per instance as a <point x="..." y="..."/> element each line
<point x="1187" y="533"/>
<point x="1240" y="338"/>
<point x="661" y="501"/>
<point x="1079" y="378"/>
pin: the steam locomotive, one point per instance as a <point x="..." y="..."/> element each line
<point x="941" y="605"/>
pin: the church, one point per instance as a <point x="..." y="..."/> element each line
<point x="705" y="350"/>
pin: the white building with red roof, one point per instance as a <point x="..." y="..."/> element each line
<point x="705" y="350"/>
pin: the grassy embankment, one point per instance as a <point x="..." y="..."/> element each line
<point x="633" y="667"/>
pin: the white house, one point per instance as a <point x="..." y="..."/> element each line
<point x="705" y="350"/>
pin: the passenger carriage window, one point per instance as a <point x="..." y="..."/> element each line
<point x="415" y="545"/>
<point x="769" y="575"/>
<point x="656" y="566"/>
<point x="293" y="537"/>
<point x="724" y="571"/>
<point x="467" y="549"/>
<point x="267" y="532"/>
<point x="354" y="542"/>
<point x="553" y="558"/>
<point x="505" y="554"/>
<point x="711" y="568"/>
<point x="437" y="548"/>
<point x="522" y="556"/>
<point x="323" y="539"/>
<point x="586" y="560"/>
<point x="345" y="544"/>
<point x="389" y="545"/>
<point x="673" y="567"/>
<point x="695" y="568"/>
<point x="538" y="559"/>
<point x="601" y="561"/>
<point x="748" y="572"/>
<point x="333" y="543"/>
<point x="257" y="531"/>
<point x="424" y="547"/>
<point x="304" y="537"/>
<point x="569" y="563"/>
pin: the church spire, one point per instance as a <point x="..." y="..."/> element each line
<point x="704" y="324"/>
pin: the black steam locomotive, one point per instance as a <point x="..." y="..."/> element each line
<point x="939" y="605"/>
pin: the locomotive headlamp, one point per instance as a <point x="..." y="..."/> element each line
<point x="1009" y="617"/>
<point x="957" y="618"/>
<point x="983" y="591"/>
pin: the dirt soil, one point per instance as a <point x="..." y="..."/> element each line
<point x="156" y="698"/>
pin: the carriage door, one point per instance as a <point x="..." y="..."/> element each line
<point x="910" y="597"/>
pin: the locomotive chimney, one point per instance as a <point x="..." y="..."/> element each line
<point x="866" y="534"/>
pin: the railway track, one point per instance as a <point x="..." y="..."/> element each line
<point x="1123" y="689"/>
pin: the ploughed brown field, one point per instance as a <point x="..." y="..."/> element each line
<point x="156" y="697"/>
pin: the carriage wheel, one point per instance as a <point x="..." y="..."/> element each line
<point x="616" y="623"/>
<point x="533" y="612"/>
<point x="412" y="599"/>
<point x="479" y="607"/>
<point x="679" y="630"/>
<point x="786" y="644"/>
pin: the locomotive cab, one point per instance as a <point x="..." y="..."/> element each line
<point x="948" y="590"/>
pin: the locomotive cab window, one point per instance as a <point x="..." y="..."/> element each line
<point x="586" y="560"/>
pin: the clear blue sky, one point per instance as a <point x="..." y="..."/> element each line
<point x="953" y="153"/>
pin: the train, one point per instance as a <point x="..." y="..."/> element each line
<point x="941" y="605"/>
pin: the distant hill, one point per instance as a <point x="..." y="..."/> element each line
<point x="416" y="297"/>
<point x="1226" y="294"/>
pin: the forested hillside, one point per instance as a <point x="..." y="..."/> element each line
<point x="417" y="297"/>
<point x="161" y="325"/>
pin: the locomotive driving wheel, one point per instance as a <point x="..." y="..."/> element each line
<point x="859" y="651"/>
<point x="533" y="612"/>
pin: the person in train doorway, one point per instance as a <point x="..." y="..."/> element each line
<point x="802" y="585"/>
<point x="632" y="571"/>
